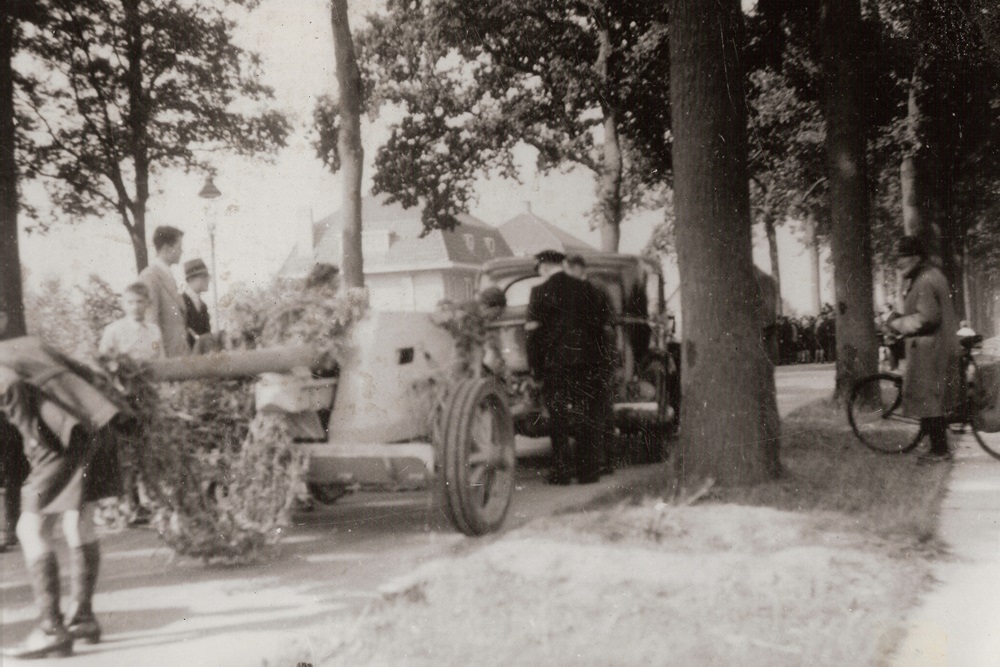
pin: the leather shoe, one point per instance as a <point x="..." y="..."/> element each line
<point x="558" y="479"/>
<point x="86" y="630"/>
<point x="934" y="457"/>
<point x="43" y="642"/>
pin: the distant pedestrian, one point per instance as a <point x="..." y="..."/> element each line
<point x="68" y="429"/>
<point x="196" y="315"/>
<point x="15" y="465"/>
<point x="564" y="346"/>
<point x="132" y="335"/>
<point x="929" y="324"/>
<point x="166" y="307"/>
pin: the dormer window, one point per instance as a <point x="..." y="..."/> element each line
<point x="470" y="242"/>
<point x="491" y="245"/>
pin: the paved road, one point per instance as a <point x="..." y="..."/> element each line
<point x="957" y="623"/>
<point x="158" y="611"/>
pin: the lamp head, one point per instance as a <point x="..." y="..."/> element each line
<point x="209" y="191"/>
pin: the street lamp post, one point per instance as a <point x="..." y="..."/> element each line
<point x="208" y="193"/>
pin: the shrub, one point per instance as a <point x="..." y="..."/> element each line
<point x="222" y="480"/>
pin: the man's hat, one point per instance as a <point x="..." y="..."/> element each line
<point x="194" y="268"/>
<point x="549" y="257"/>
<point x="910" y="246"/>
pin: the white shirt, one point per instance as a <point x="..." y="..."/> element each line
<point x="139" y="340"/>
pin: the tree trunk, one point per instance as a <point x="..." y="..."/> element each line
<point x="850" y="239"/>
<point x="914" y="175"/>
<point x="815" y="277"/>
<point x="731" y="428"/>
<point x="349" y="144"/>
<point x="772" y="247"/>
<point x="610" y="188"/>
<point x="953" y="265"/>
<point x="137" y="232"/>
<point x="138" y="122"/>
<point x="10" y="258"/>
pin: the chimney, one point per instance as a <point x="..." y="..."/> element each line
<point x="527" y="206"/>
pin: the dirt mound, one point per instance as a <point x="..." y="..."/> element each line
<point x="658" y="584"/>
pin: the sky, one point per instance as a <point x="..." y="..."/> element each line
<point x="266" y="203"/>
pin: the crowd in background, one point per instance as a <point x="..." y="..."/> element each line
<point x="807" y="339"/>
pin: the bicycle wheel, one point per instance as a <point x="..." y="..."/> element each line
<point x="873" y="411"/>
<point x="968" y="413"/>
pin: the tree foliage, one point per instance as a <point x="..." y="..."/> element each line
<point x="134" y="87"/>
<point x="470" y="82"/>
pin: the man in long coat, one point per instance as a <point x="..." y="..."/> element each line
<point x="564" y="336"/>
<point x="931" y="383"/>
<point x="166" y="307"/>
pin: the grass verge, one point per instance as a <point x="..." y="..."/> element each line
<point x="817" y="567"/>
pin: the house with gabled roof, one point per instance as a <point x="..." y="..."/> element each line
<point x="404" y="270"/>
<point x="528" y="234"/>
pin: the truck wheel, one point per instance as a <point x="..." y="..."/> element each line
<point x="648" y="443"/>
<point x="477" y="456"/>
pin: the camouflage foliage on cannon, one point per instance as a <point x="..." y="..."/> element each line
<point x="389" y="415"/>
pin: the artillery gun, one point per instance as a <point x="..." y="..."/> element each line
<point x="378" y="421"/>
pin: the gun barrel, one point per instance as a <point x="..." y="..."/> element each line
<point x="237" y="364"/>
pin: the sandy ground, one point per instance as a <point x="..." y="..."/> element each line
<point x="320" y="592"/>
<point x="649" y="585"/>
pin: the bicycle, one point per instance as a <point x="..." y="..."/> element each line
<point x="882" y="429"/>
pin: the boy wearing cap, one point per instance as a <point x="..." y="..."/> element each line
<point x="197" y="319"/>
<point x="929" y="325"/>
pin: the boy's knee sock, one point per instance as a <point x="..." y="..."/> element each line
<point x="44" y="573"/>
<point x="85" y="564"/>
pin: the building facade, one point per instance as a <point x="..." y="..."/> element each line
<point x="404" y="270"/>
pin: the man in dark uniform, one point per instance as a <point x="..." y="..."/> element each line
<point x="576" y="267"/>
<point x="15" y="465"/>
<point x="564" y="332"/>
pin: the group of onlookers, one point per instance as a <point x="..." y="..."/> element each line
<point x="59" y="439"/>
<point x="807" y="339"/>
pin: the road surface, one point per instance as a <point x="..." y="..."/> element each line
<point x="158" y="611"/>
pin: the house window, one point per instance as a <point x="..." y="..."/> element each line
<point x="491" y="245"/>
<point x="470" y="242"/>
<point x="468" y="287"/>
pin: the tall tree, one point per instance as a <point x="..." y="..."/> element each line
<point x="133" y="87"/>
<point x="950" y="139"/>
<point x="350" y="153"/>
<point x="13" y="15"/>
<point x="731" y="427"/>
<point x="850" y="238"/>
<point x="786" y="143"/>
<point x="580" y="82"/>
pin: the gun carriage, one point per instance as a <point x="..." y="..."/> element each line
<point x="378" y="420"/>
